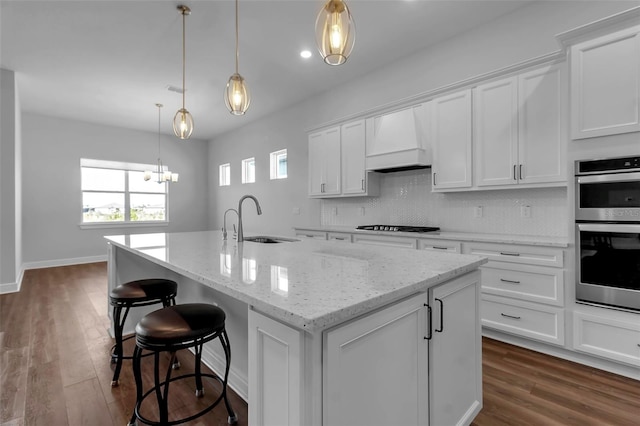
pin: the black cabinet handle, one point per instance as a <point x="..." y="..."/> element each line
<point x="441" y="316"/>
<point x="509" y="254"/>
<point x="509" y="316"/>
<point x="439" y="248"/>
<point x="520" y="171"/>
<point x="514" y="172"/>
<point x="509" y="281"/>
<point x="434" y="178"/>
<point x="429" y="313"/>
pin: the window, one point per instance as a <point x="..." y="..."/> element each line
<point x="249" y="170"/>
<point x="225" y="175"/>
<point x="116" y="193"/>
<point x="279" y="164"/>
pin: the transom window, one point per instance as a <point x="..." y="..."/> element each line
<point x="225" y="175"/>
<point x="116" y="193"/>
<point x="249" y="170"/>
<point x="278" y="164"/>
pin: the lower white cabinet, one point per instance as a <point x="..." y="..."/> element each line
<point x="311" y="234"/>
<point x="606" y="337"/>
<point x="344" y="237"/>
<point x="439" y="245"/>
<point x="417" y="362"/>
<point x="384" y="240"/>
<point x="533" y="320"/>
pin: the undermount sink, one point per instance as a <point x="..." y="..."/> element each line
<point x="269" y="240"/>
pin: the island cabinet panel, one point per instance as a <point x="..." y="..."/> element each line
<point x="375" y="368"/>
<point x="417" y="362"/>
<point x="275" y="372"/>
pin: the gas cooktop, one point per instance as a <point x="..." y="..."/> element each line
<point x="398" y="228"/>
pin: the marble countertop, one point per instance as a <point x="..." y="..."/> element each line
<point x="458" y="236"/>
<point x="308" y="284"/>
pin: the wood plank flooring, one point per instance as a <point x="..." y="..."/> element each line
<point x="55" y="369"/>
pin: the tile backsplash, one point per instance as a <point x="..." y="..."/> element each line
<point x="406" y="199"/>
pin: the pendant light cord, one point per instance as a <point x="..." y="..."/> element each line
<point x="237" y="51"/>
<point x="184" y="55"/>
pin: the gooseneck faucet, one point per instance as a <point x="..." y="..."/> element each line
<point x="244" y="197"/>
<point x="224" y="224"/>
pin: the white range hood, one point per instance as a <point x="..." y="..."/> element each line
<point x="398" y="140"/>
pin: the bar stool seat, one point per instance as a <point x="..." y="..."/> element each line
<point x="169" y="330"/>
<point x="134" y="294"/>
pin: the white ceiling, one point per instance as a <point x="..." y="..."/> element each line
<point x="109" y="62"/>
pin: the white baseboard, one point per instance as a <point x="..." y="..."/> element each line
<point x="236" y="381"/>
<point x="15" y="287"/>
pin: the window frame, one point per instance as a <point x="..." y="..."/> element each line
<point x="126" y="167"/>
<point x="273" y="164"/>
<point x="245" y="169"/>
<point x="227" y="168"/>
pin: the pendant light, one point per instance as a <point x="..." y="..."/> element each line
<point x="161" y="174"/>
<point x="335" y="32"/>
<point x="183" y="121"/>
<point x="236" y="95"/>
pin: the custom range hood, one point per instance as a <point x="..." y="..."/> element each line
<point x="397" y="141"/>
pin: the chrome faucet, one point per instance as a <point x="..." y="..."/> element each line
<point x="224" y="225"/>
<point x="244" y="197"/>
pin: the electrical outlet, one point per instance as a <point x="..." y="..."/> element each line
<point x="525" y="211"/>
<point x="477" y="211"/>
<point x="361" y="211"/>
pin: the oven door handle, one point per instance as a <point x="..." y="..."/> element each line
<point x="608" y="227"/>
<point x="613" y="177"/>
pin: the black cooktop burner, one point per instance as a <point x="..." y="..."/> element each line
<point x="398" y="228"/>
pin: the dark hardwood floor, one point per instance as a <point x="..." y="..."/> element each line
<point x="55" y="369"/>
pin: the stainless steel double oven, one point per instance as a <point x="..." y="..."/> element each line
<point x="608" y="232"/>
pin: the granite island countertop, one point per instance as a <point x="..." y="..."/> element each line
<point x="308" y="284"/>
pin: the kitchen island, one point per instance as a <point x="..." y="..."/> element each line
<point x="327" y="333"/>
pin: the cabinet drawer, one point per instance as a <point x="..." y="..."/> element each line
<point x="530" y="320"/>
<point x="606" y="337"/>
<point x="304" y="233"/>
<point x="532" y="283"/>
<point x="339" y="236"/>
<point x="512" y="253"/>
<point x="383" y="240"/>
<point x="439" y="245"/>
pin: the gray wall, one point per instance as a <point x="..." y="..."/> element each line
<point x="52" y="149"/>
<point x="10" y="182"/>
<point x="527" y="33"/>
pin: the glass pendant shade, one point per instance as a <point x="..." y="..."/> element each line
<point x="183" y="124"/>
<point x="236" y="95"/>
<point x="335" y="32"/>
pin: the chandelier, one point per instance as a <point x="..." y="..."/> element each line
<point x="161" y="175"/>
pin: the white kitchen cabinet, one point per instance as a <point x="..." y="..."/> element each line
<point x="605" y="84"/>
<point x="451" y="141"/>
<point x="337" y="163"/>
<point x="344" y="237"/>
<point x="276" y="351"/>
<point x="427" y="368"/>
<point x="324" y="163"/>
<point x="310" y="233"/>
<point x="455" y="353"/>
<point x="518" y="129"/>
<point x="606" y="337"/>
<point x="439" y="245"/>
<point x="385" y="240"/>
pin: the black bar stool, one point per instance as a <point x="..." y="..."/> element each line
<point x="169" y="330"/>
<point x="133" y="294"/>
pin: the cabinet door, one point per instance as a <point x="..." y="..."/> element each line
<point x="495" y="132"/>
<point x="541" y="134"/>
<point x="353" y="158"/>
<point x="605" y="85"/>
<point x="375" y="368"/>
<point x="455" y="352"/>
<point x="451" y="138"/>
<point x="324" y="163"/>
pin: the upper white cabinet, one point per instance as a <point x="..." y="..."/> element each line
<point x="337" y="162"/>
<point x="518" y="129"/>
<point x="451" y="141"/>
<point x="324" y="163"/>
<point x="605" y="85"/>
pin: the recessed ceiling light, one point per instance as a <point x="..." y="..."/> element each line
<point x="306" y="54"/>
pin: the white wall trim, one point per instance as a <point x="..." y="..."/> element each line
<point x="592" y="29"/>
<point x="9" y="288"/>
<point x="236" y="381"/>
